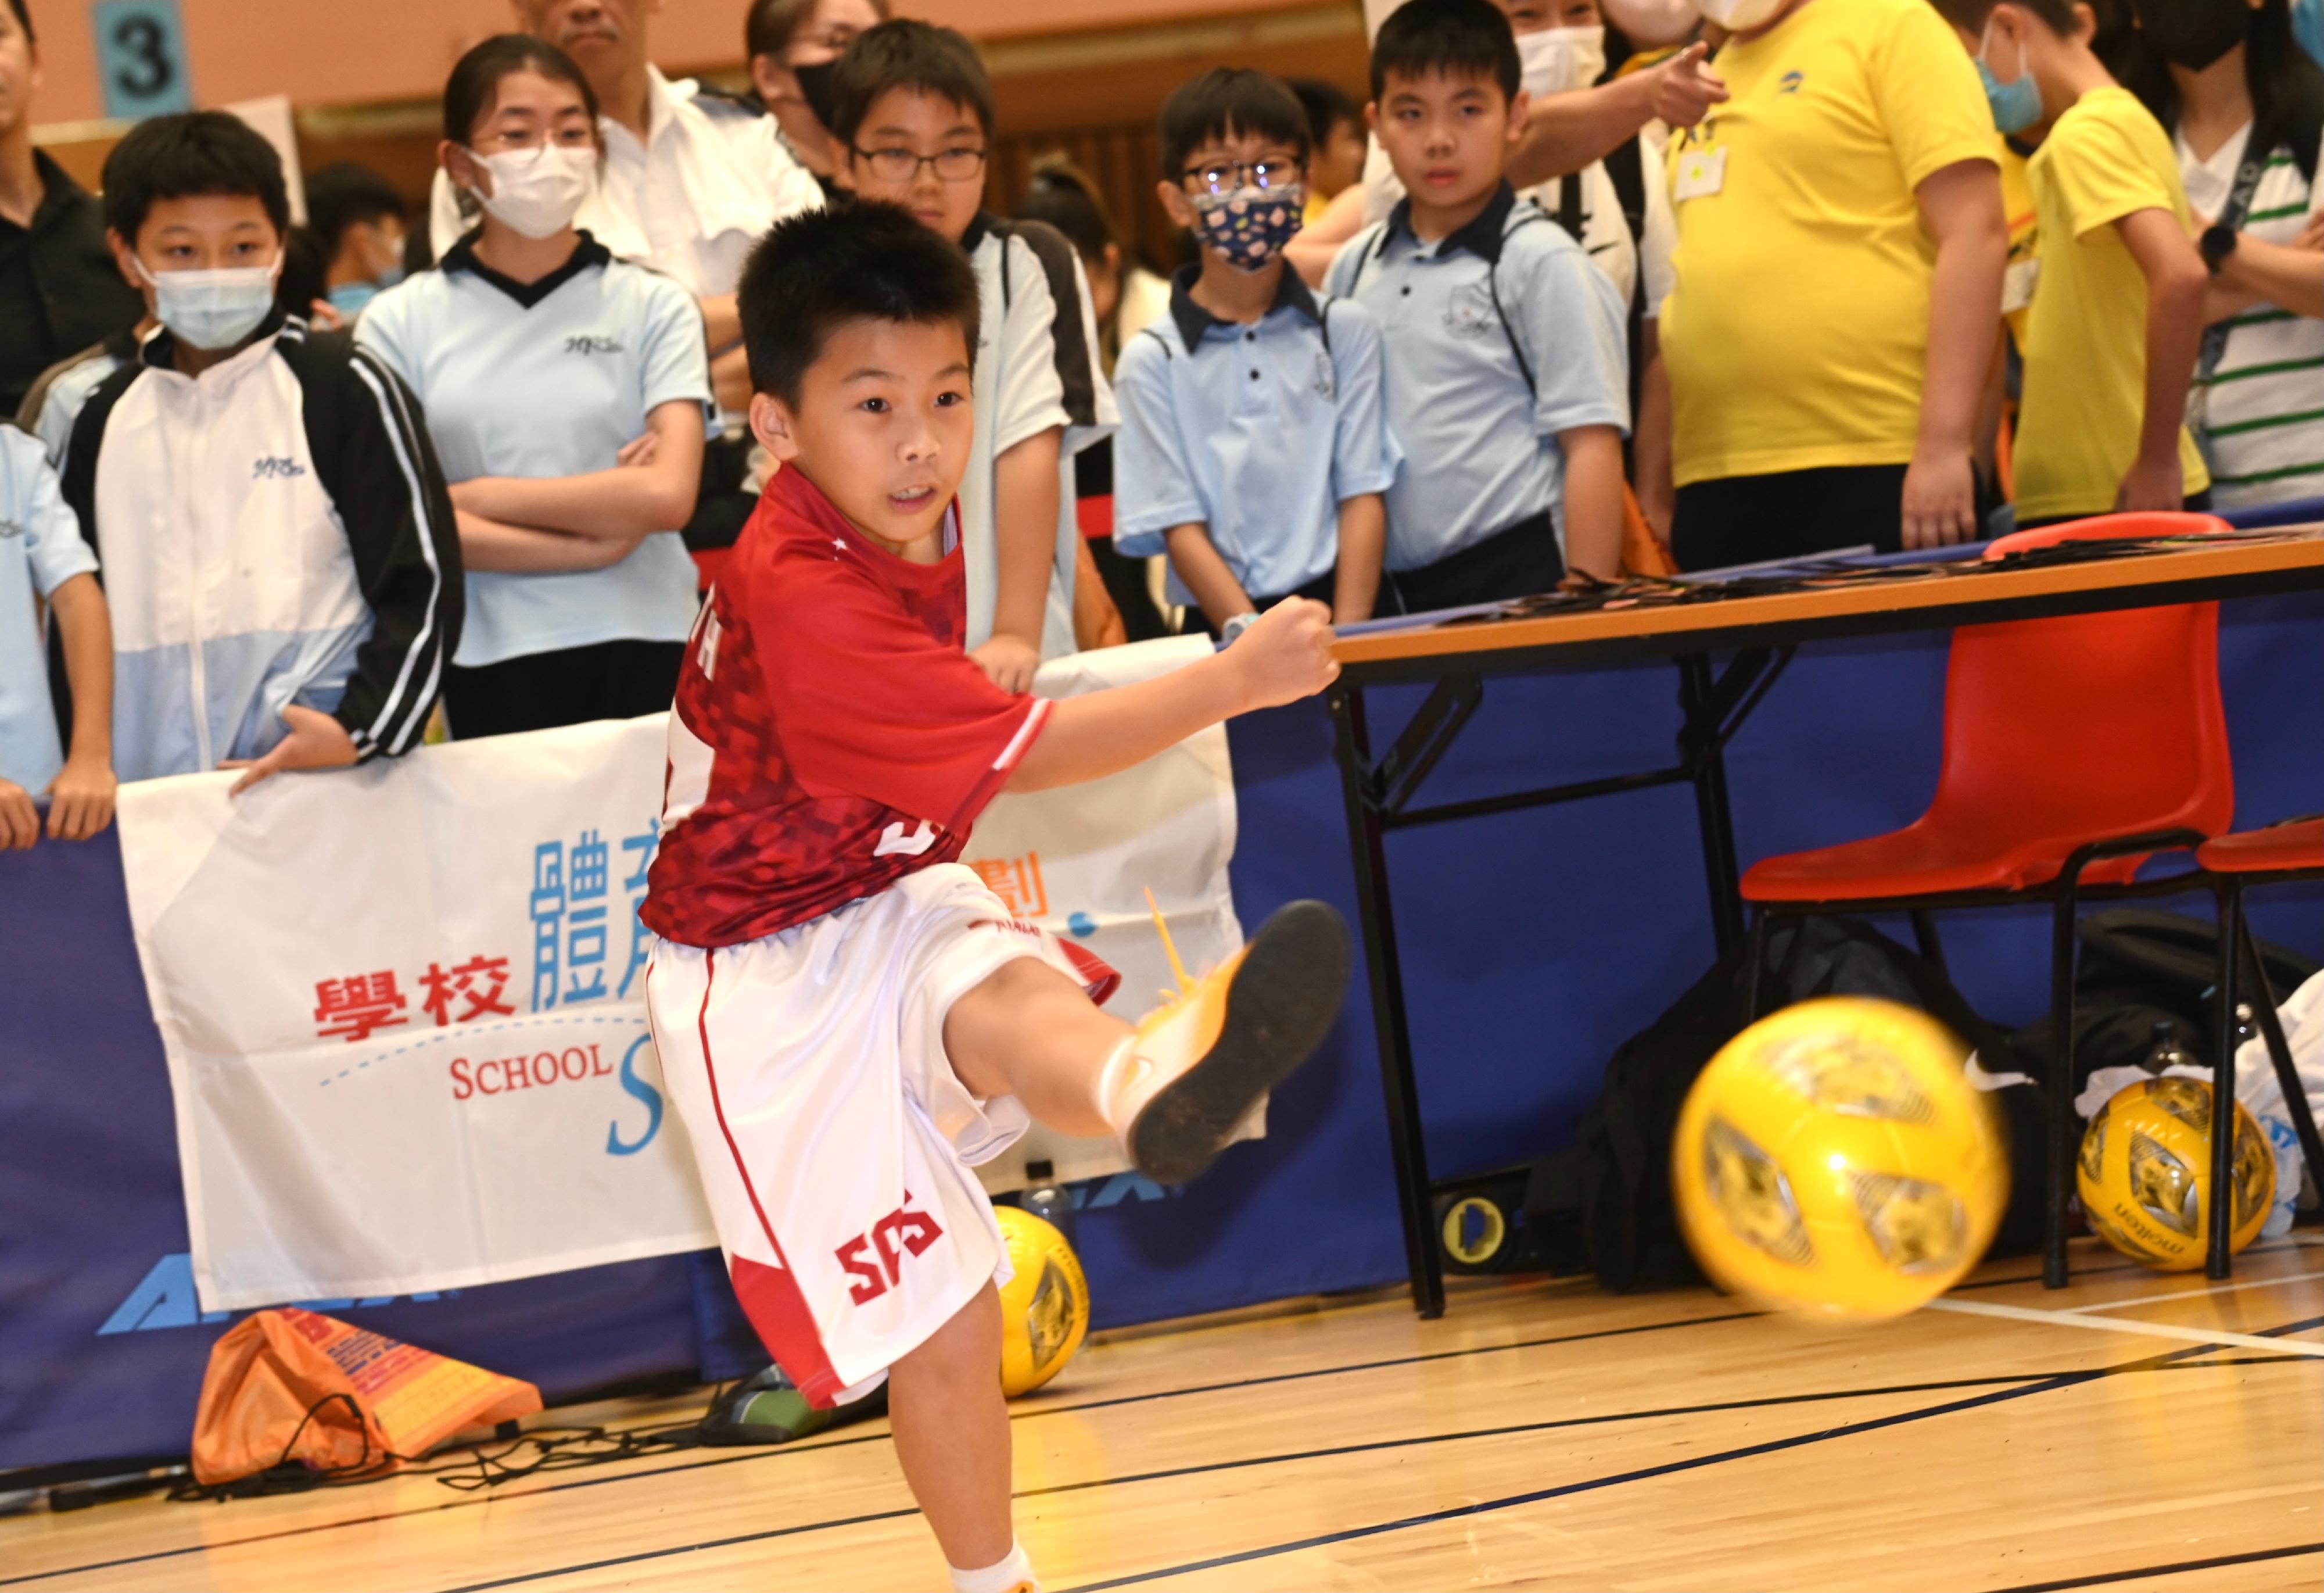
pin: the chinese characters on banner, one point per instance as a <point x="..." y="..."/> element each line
<point x="571" y="931"/>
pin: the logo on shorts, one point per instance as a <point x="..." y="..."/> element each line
<point x="874" y="1260"/>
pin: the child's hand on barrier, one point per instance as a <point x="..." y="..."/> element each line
<point x="317" y="741"/>
<point x="1285" y="653"/>
<point x="20" y="822"/>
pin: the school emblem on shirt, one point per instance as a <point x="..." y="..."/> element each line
<point x="1789" y="83"/>
<point x="587" y="343"/>
<point x="1469" y="312"/>
<point x="9" y="528"/>
<point x="1326" y="381"/>
<point x="275" y="467"/>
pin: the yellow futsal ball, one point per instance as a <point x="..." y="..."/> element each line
<point x="2146" y="1173"/>
<point x="1832" y="1160"/>
<point x="1044" y="1309"/>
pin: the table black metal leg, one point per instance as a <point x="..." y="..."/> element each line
<point x="2219" y="1260"/>
<point x="1366" y="842"/>
<point x="1701" y="747"/>
<point x="2057" y="1166"/>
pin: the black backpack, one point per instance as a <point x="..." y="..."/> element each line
<point x="1610" y="1188"/>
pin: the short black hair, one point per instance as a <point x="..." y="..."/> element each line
<point x="343" y="193"/>
<point x="1223" y="102"/>
<point x="1327" y="105"/>
<point x="1066" y="197"/>
<point x="1457" y="37"/>
<point x="191" y="152"/>
<point x="907" y="54"/>
<point x="1972" y="15"/>
<point x="815" y="272"/>
<point x="24" y="20"/>
<point x="474" y="86"/>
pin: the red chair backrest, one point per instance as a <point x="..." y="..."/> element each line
<point x="2060" y="731"/>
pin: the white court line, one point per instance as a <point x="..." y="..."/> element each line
<point x="2198" y="1293"/>
<point x="2067" y="1318"/>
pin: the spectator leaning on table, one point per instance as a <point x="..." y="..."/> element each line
<point x="1837" y="286"/>
<point x="1505" y="379"/>
<point x="58" y="288"/>
<point x="235" y="443"/>
<point x="1252" y="447"/>
<point x="566" y="391"/>
<point x="43" y="559"/>
<point x="2111" y="335"/>
<point x="2246" y="108"/>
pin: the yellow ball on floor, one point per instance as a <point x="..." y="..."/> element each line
<point x="2146" y="1173"/>
<point x="1044" y="1309"/>
<point x="1832" y="1160"/>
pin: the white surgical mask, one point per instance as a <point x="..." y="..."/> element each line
<point x="538" y="192"/>
<point x="212" y="309"/>
<point x="1738" y="16"/>
<point x="1557" y="61"/>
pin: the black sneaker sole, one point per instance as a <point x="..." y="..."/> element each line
<point x="1283" y="1001"/>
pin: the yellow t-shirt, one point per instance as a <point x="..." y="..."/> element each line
<point x="2017" y="211"/>
<point x="1797" y="335"/>
<point x="2086" y="334"/>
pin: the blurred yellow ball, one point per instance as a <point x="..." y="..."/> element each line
<point x="1044" y="1309"/>
<point x="1832" y="1160"/>
<point x="2146" y="1173"/>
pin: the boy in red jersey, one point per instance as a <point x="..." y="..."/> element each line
<point x="848" y="1020"/>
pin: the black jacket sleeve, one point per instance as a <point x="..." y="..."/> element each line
<point x="370" y="446"/>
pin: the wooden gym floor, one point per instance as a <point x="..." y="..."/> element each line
<point x="2136" y="1431"/>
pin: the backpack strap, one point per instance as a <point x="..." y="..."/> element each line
<point x="1493" y="288"/>
<point x="1570" y="214"/>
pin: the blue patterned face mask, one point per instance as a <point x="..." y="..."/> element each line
<point x="1250" y="225"/>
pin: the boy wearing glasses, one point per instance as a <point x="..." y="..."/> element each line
<point x="1507" y="374"/>
<point x="912" y="115"/>
<point x="1253" y="448"/>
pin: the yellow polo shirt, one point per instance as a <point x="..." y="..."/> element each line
<point x="1797" y="334"/>
<point x="2086" y="334"/>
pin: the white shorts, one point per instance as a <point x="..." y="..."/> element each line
<point x="834" y="1138"/>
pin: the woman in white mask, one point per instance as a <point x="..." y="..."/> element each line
<point x="566" y="393"/>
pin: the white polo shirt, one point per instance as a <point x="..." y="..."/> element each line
<point x="40" y="549"/>
<point x="548" y="379"/>
<point x="689" y="200"/>
<point x="1036" y="366"/>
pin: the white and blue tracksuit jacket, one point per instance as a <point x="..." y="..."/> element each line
<point x="272" y="530"/>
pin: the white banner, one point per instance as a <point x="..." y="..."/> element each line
<point x="403" y="1004"/>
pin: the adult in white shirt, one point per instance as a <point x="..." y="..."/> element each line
<point x="681" y="190"/>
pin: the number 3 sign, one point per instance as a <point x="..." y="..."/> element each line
<point x="140" y="57"/>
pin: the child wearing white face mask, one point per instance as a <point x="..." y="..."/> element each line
<point x="566" y="393"/>
<point x="234" y="441"/>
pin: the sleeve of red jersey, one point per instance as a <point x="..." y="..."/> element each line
<point x="868" y="704"/>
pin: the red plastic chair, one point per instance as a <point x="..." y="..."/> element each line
<point x="2279" y="854"/>
<point x="2074" y="749"/>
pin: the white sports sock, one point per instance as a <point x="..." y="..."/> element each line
<point x="1011" y="1575"/>
<point x="1117" y="1070"/>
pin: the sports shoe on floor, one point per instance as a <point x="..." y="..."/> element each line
<point x="1184" y="1081"/>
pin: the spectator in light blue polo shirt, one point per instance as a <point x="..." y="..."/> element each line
<point x="1252" y="448"/>
<point x="565" y="392"/>
<point x="45" y="559"/>
<point x="1506" y="371"/>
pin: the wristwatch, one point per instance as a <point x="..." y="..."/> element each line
<point x="2215" y="246"/>
<point x="1236" y="626"/>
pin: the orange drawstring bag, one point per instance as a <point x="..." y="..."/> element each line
<point x="288" y="1385"/>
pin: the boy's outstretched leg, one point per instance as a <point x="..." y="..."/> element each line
<point x="1176" y="1087"/>
<point x="951" y="1427"/>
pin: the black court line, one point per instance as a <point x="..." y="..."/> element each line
<point x="1591" y="1485"/>
<point x="796" y="1450"/>
<point x="2040" y="1381"/>
<point x="2214" y="1563"/>
<point x="786" y="1451"/>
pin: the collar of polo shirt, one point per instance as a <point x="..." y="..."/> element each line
<point x="1482" y="237"/>
<point x="586" y="253"/>
<point x="1194" y="320"/>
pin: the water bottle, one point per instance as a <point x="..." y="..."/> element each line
<point x="1047" y="1199"/>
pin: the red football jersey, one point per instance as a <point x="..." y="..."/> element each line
<point x="830" y="735"/>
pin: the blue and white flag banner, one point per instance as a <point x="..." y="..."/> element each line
<point x="403" y="1004"/>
